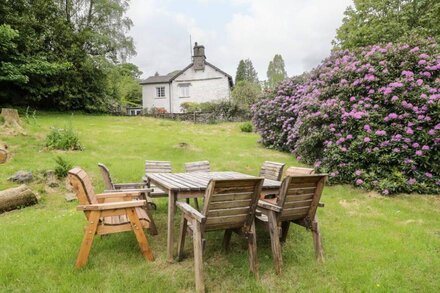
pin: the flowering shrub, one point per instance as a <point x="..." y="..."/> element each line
<point x="370" y="117"/>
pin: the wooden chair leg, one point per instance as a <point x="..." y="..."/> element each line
<point x="89" y="235"/>
<point x="275" y="242"/>
<point x="284" y="230"/>
<point x="196" y="203"/>
<point x="198" y="257"/>
<point x="252" y="246"/>
<point x="181" y="244"/>
<point x="152" y="230"/>
<point x="227" y="239"/>
<point x="319" y="251"/>
<point x="139" y="233"/>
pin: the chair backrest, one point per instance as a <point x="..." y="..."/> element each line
<point x="157" y="167"/>
<point x="299" y="196"/>
<point x="201" y="166"/>
<point x="295" y="171"/>
<point x="108" y="182"/>
<point x="231" y="203"/>
<point x="272" y="170"/>
<point x="82" y="185"/>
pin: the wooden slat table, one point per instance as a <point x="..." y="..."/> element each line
<point x="192" y="185"/>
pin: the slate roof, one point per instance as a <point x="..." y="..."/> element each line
<point x="172" y="75"/>
<point x="161" y="78"/>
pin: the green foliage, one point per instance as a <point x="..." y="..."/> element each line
<point x="30" y="118"/>
<point x="2" y="120"/>
<point x="245" y="94"/>
<point x="62" y="167"/>
<point x="190" y="107"/>
<point x="246" y="72"/>
<point x="63" y="139"/>
<point x="64" y="55"/>
<point x="276" y="71"/>
<point x="376" y="21"/>
<point x="246" y="127"/>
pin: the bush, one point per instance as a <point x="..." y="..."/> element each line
<point x="63" y="139"/>
<point x="62" y="167"/>
<point x="246" y="127"/>
<point x="190" y="107"/>
<point x="369" y="117"/>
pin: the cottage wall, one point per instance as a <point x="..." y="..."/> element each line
<point x="150" y="100"/>
<point x="204" y="86"/>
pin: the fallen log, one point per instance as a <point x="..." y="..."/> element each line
<point x="17" y="197"/>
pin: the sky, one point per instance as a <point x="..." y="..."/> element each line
<point x="231" y="30"/>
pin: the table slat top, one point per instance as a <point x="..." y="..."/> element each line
<point x="198" y="181"/>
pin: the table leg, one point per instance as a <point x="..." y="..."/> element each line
<point x="171" y="211"/>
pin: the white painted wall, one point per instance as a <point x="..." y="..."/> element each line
<point x="205" y="86"/>
<point x="149" y="99"/>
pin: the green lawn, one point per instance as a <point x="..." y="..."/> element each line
<point x="371" y="243"/>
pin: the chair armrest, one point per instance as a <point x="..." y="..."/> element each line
<point x="268" y="206"/>
<point x="321" y="205"/>
<point x="191" y="212"/>
<point x="130" y="185"/>
<point x="123" y="193"/>
<point x="111" y="205"/>
<point x="131" y="190"/>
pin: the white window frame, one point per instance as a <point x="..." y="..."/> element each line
<point x="160" y="92"/>
<point x="184" y="90"/>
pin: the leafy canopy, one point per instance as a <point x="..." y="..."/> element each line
<point x="375" y="21"/>
<point x="276" y="71"/>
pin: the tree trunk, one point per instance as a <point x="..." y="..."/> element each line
<point x="17" y="197"/>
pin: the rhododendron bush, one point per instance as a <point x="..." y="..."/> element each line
<point x="370" y="117"/>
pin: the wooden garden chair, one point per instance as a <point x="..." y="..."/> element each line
<point x="157" y="167"/>
<point x="110" y="186"/>
<point x="297" y="171"/>
<point x="297" y="202"/>
<point x="200" y="166"/>
<point x="228" y="205"/>
<point x="108" y="213"/>
<point x="272" y="170"/>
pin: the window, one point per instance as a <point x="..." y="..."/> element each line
<point x="160" y="92"/>
<point x="184" y="90"/>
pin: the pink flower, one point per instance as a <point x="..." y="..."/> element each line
<point x="411" y="181"/>
<point x="419" y="153"/>
<point x="359" y="181"/>
<point x="425" y="148"/>
<point x="429" y="175"/>
<point x="409" y="131"/>
<point x="358" y="172"/>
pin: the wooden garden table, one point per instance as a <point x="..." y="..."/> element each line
<point x="193" y="185"/>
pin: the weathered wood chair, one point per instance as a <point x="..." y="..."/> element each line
<point x="228" y="205"/>
<point x="141" y="186"/>
<point x="297" y="171"/>
<point x="157" y="167"/>
<point x="272" y="170"/>
<point x="108" y="213"/>
<point x="200" y="166"/>
<point x="297" y="202"/>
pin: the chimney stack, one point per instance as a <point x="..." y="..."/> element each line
<point x="199" y="57"/>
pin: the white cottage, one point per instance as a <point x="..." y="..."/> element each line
<point x="199" y="82"/>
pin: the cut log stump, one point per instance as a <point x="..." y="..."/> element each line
<point x="14" y="198"/>
<point x="3" y="155"/>
<point x="12" y="119"/>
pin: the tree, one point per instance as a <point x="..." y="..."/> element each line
<point x="245" y="94"/>
<point x="62" y="54"/>
<point x="246" y="72"/>
<point x="377" y="21"/>
<point x="276" y="71"/>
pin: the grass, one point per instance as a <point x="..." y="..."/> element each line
<point x="371" y="243"/>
